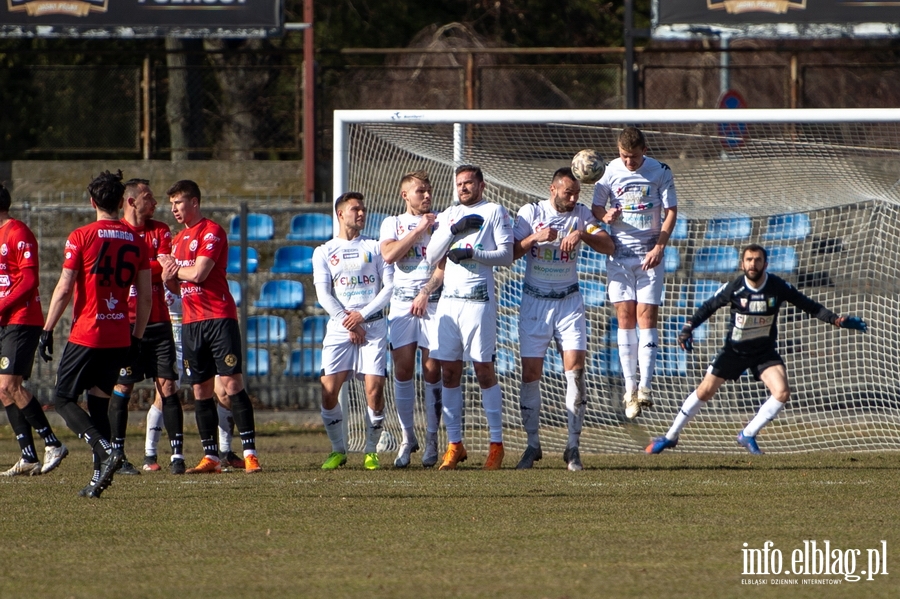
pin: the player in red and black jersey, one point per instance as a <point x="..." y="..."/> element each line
<point x="102" y="261"/>
<point x="21" y="321"/>
<point x="211" y="339"/>
<point x="750" y="344"/>
<point x="158" y="354"/>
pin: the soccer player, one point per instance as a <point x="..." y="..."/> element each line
<point x="211" y="339"/>
<point x="643" y="207"/>
<point x="412" y="322"/>
<point x="103" y="260"/>
<point x="549" y="235"/>
<point x="754" y="300"/>
<point x="21" y="321"/>
<point x="157" y="357"/>
<point x="475" y="235"/>
<point x="354" y="285"/>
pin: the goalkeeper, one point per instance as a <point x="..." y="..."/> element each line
<point x="755" y="300"/>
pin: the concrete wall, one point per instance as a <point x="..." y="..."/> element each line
<point x="247" y="179"/>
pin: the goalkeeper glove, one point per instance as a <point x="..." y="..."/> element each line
<point x="45" y="345"/>
<point x="458" y="254"/>
<point x="852" y="322"/>
<point x="466" y="223"/>
<point x="686" y="338"/>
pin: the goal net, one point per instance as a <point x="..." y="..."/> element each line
<point x="817" y="188"/>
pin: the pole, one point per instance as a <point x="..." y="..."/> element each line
<point x="309" y="104"/>
<point x="244" y="286"/>
<point x="630" y="95"/>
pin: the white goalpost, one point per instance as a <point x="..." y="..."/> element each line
<point x="817" y="188"/>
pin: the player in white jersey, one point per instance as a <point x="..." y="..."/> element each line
<point x="475" y="235"/>
<point x="354" y="285"/>
<point x="412" y="321"/>
<point x="549" y="235"/>
<point x="640" y="193"/>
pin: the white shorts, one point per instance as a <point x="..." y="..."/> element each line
<point x="340" y="355"/>
<point x="467" y="330"/>
<point x="406" y="328"/>
<point x="542" y="320"/>
<point x="626" y="281"/>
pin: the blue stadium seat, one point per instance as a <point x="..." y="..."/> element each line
<point x="260" y="227"/>
<point x="257" y="362"/>
<point x="313" y="330"/>
<point x="590" y="262"/>
<point x="719" y="259"/>
<point x="266" y="329"/>
<point x="281" y="294"/>
<point x="671" y="259"/>
<point x="735" y="226"/>
<point x="702" y="289"/>
<point x="787" y="227"/>
<point x="293" y="259"/>
<point x="306" y="362"/>
<point x="235" y="289"/>
<point x="234" y="260"/>
<point x="782" y="259"/>
<point x="593" y="292"/>
<point x="373" y="224"/>
<point x="311" y="226"/>
<point x="510" y="294"/>
<point x="681" y="230"/>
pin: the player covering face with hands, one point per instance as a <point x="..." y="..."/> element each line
<point x="754" y="300"/>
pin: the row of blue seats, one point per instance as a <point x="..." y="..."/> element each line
<point x="317" y="227"/>
<point x="289" y="259"/>
<point x="306" y="362"/>
<point x="280" y="294"/>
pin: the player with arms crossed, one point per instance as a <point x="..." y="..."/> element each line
<point x="549" y="234"/>
<point x="21" y="321"/>
<point x="475" y="235"/>
<point x="412" y="321"/>
<point x="157" y="357"/>
<point x="211" y="338"/>
<point x="354" y="285"/>
<point x="754" y="300"/>
<point x="641" y="194"/>
<point x="102" y="262"/>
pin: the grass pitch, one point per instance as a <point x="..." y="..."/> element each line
<point x="669" y="526"/>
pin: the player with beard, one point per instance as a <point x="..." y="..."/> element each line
<point x="549" y="234"/>
<point x="413" y="324"/>
<point x="476" y="235"/>
<point x="754" y="300"/>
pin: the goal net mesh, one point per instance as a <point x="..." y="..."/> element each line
<point x="822" y="198"/>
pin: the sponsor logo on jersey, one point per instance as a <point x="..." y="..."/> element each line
<point x="350" y="255"/>
<point x="4" y="363"/>
<point x="357" y="280"/>
<point x="771" y="302"/>
<point x="757" y="307"/>
<point x="26" y="255"/>
<point x="111" y="316"/>
<point x="210" y="246"/>
<point x="193" y="246"/>
<point x="551" y="254"/>
<point x="111" y="302"/>
<point x="211" y="237"/>
<point x="155" y="244"/>
<point x="639" y="207"/>
<point x="4" y="280"/>
<point x="230" y="360"/>
<point x="334" y="260"/>
<point x="4" y="250"/>
<point x="743" y="302"/>
<point x="70" y="245"/>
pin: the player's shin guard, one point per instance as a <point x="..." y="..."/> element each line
<point x="207" y="425"/>
<point x="244" y="420"/>
<point x="492" y="402"/>
<point x="118" y="418"/>
<point x="453" y="406"/>
<point x="434" y="405"/>
<point x="35" y="416"/>
<point x="173" y="418"/>
<point x="530" y="408"/>
<point x="154" y="430"/>
<point x="80" y="423"/>
<point x="689" y="409"/>
<point x="374" y="428"/>
<point x="576" y="404"/>
<point x="627" y="340"/>
<point x="22" y="430"/>
<point x="333" y="420"/>
<point x="405" y="398"/>
<point x="647" y="354"/>
<point x="767" y="412"/>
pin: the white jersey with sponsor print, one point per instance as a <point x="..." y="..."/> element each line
<point x="354" y="269"/>
<point x="642" y="195"/>
<point x="411" y="271"/>
<point x="470" y="278"/>
<point x="547" y="268"/>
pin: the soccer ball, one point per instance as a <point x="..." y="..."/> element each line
<point x="588" y="166"/>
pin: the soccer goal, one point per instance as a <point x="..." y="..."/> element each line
<point x="817" y="188"/>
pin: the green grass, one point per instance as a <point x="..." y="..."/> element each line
<point x="669" y="526"/>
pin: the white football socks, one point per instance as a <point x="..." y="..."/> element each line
<point x="767" y="412"/>
<point x="154" y="430"/>
<point x="647" y="352"/>
<point x="530" y="408"/>
<point x="453" y="406"/>
<point x="576" y="404"/>
<point x="627" y="340"/>
<point x="374" y="428"/>
<point x="689" y="409"/>
<point x="492" y="402"/>
<point x="405" y="399"/>
<point x="334" y="428"/>
<point x="433" y="406"/>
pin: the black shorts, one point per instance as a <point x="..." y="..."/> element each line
<point x="730" y="365"/>
<point x="211" y="347"/>
<point x="82" y="368"/>
<point x="157" y="356"/>
<point x="18" y="342"/>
